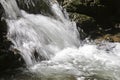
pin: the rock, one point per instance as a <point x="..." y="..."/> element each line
<point x="103" y="15"/>
<point x="81" y="6"/>
<point x="85" y="22"/>
<point x="109" y="37"/>
<point x="8" y="60"/>
<point x="35" y="6"/>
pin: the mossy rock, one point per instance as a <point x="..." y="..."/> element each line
<point x="74" y="5"/>
<point x="85" y="22"/>
<point x="81" y="18"/>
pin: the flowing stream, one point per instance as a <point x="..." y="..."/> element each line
<point x="55" y="40"/>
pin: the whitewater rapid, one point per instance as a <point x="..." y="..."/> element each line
<point x="55" y="39"/>
<point x="98" y="62"/>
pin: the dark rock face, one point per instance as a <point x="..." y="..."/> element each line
<point x="87" y="23"/>
<point x="8" y="60"/>
<point x="105" y="15"/>
<point x="35" y="6"/>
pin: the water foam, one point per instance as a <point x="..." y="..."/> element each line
<point x="37" y="33"/>
<point x="56" y="39"/>
<point x="85" y="62"/>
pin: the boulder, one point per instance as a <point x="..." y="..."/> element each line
<point x="8" y="60"/>
<point x="103" y="16"/>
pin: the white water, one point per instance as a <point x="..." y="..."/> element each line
<point x="56" y="39"/>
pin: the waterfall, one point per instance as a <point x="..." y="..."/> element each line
<point x="56" y="40"/>
<point x="37" y="33"/>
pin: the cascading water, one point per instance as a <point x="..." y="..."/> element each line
<point x="39" y="33"/>
<point x="56" y="40"/>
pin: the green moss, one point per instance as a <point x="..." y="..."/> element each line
<point x="81" y="18"/>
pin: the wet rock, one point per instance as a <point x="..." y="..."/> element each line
<point x="34" y="6"/>
<point x="103" y="15"/>
<point x="8" y="60"/>
<point x="87" y="23"/>
<point x="109" y="37"/>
